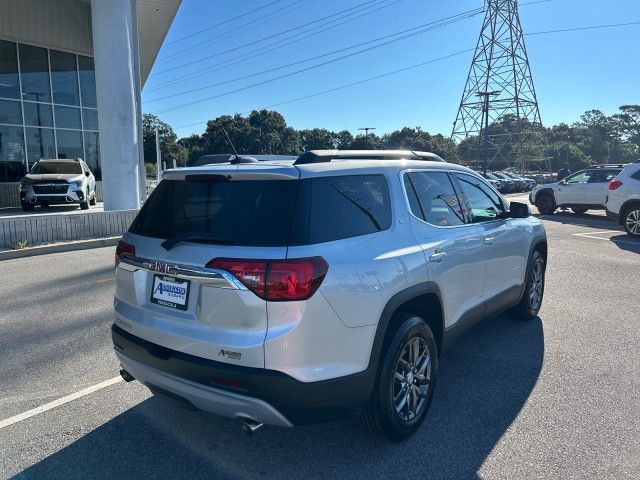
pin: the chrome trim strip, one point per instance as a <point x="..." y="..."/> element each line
<point x="205" y="276"/>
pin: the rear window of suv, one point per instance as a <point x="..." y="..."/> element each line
<point x="267" y="212"/>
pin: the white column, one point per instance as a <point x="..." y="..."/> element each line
<point x="115" y="48"/>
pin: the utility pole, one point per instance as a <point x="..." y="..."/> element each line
<point x="158" y="159"/>
<point x="484" y="126"/>
<point x="366" y="130"/>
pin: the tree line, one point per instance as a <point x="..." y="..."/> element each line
<point x="594" y="138"/>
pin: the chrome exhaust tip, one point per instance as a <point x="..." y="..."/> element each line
<point x="249" y="426"/>
<point x="126" y="376"/>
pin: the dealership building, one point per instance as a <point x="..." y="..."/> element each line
<point x="71" y="72"/>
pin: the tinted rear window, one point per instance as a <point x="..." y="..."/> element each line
<point x="333" y="208"/>
<point x="250" y="213"/>
<point x="636" y="175"/>
<point x="270" y="212"/>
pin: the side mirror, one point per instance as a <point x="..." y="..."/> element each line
<point x="88" y="174"/>
<point x="519" y="210"/>
<point x="563" y="182"/>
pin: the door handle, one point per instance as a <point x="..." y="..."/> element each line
<point x="437" y="257"/>
<point x="489" y="240"/>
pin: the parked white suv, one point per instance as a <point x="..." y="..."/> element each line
<point x="294" y="292"/>
<point x="581" y="191"/>
<point x="58" y="181"/>
<point x="623" y="199"/>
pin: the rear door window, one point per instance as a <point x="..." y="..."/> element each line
<point x="603" y="176"/>
<point x="337" y="207"/>
<point x="248" y="213"/>
<point x="433" y="199"/>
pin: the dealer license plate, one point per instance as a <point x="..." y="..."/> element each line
<point x="170" y="292"/>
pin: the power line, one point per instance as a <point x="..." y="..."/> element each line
<point x="222" y="23"/>
<point x="262" y="50"/>
<point x="205" y="44"/>
<point x="410" y="67"/>
<point x="352" y="84"/>
<point x="311" y="67"/>
<point x="416" y="31"/>
<point x="591" y="27"/>
<point x="209" y="57"/>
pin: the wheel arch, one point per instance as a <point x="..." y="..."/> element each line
<point x="423" y="300"/>
<point x="625" y="206"/>
<point x="545" y="191"/>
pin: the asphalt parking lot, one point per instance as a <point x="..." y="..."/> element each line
<point x="557" y="397"/>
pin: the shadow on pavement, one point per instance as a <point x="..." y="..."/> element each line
<point x="626" y="242"/>
<point x="585" y="220"/>
<point x="484" y="381"/>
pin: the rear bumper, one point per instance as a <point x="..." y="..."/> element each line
<point x="263" y="395"/>
<point x="612" y="216"/>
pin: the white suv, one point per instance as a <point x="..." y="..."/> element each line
<point x="294" y="292"/>
<point x="623" y="199"/>
<point x="581" y="191"/>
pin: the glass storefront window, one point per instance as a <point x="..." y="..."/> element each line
<point x="87" y="81"/>
<point x="11" y="153"/>
<point x="40" y="144"/>
<point x="34" y="70"/>
<point x="64" y="78"/>
<point x="92" y="152"/>
<point x="10" y="112"/>
<point x="33" y="125"/>
<point x="90" y="119"/>
<point x="9" y="84"/>
<point x="37" y="114"/>
<point x="67" y="117"/>
<point x="69" y="144"/>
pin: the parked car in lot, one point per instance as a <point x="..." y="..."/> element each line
<point x="58" y="181"/>
<point x="294" y="292"/>
<point x="623" y="199"/>
<point x="527" y="183"/>
<point x="499" y="184"/>
<point x="516" y="185"/>
<point x="581" y="191"/>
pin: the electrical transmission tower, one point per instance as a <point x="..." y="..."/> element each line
<point x="498" y="123"/>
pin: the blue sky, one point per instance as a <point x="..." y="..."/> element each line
<point x="572" y="71"/>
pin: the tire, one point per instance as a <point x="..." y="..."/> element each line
<point x="531" y="301"/>
<point x="92" y="202"/>
<point x="546" y="204"/>
<point x="27" y="207"/>
<point x="579" y="211"/>
<point x="398" y="418"/>
<point x="85" y="205"/>
<point x="631" y="220"/>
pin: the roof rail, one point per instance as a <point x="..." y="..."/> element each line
<point x="608" y="165"/>
<point x="323" y="156"/>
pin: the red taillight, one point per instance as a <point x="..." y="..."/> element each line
<point x="251" y="273"/>
<point x="613" y="184"/>
<point x="277" y="280"/>
<point x="123" y="249"/>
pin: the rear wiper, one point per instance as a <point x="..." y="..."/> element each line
<point x="169" y="243"/>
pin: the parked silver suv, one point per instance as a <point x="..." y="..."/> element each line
<point x="293" y="292"/>
<point x="58" y="181"/>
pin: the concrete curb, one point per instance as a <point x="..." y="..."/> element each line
<point x="59" y="247"/>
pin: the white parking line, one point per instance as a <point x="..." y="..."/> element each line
<point x="607" y="239"/>
<point x="56" y="403"/>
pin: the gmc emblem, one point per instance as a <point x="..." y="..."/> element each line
<point x="160" y="267"/>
